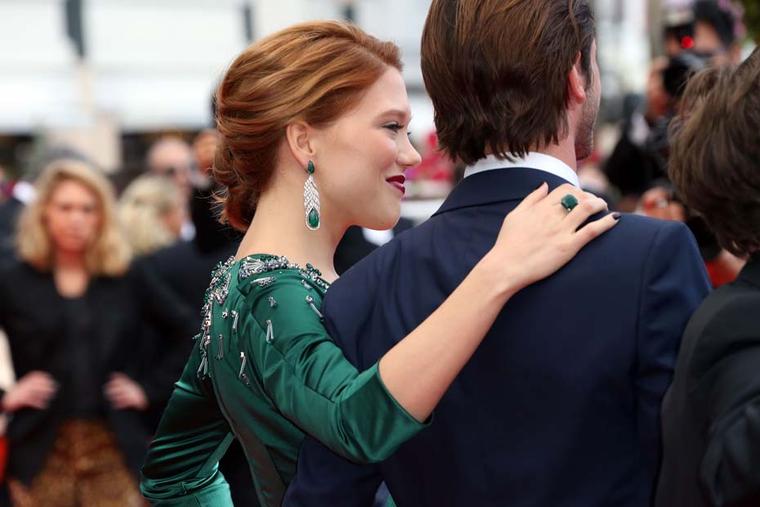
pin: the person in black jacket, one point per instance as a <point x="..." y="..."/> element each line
<point x="711" y="415"/>
<point x="185" y="268"/>
<point x="73" y="312"/>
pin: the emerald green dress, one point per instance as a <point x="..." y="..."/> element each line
<point x="265" y="371"/>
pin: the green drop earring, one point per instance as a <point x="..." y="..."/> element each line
<point x="311" y="199"/>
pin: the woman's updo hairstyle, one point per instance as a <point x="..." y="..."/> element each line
<point x="314" y="72"/>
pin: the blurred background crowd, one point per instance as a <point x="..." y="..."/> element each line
<point x="106" y="140"/>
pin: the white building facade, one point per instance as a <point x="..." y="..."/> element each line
<point x="152" y="64"/>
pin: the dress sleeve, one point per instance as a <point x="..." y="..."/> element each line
<point x="312" y="383"/>
<point x="181" y="469"/>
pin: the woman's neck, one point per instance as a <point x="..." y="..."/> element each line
<point x="69" y="261"/>
<point x="70" y="274"/>
<point x="279" y="228"/>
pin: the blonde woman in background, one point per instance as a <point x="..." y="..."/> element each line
<point x="72" y="310"/>
<point x="152" y="211"/>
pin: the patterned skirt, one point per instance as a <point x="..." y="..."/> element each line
<point x="84" y="469"/>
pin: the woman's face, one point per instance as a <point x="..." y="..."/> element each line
<point x="72" y="217"/>
<point x="361" y="158"/>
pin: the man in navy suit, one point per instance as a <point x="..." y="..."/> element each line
<point x="560" y="406"/>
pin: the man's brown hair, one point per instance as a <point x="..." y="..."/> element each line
<point x="715" y="157"/>
<point x="496" y="71"/>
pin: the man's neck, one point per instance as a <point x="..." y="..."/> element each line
<point x="563" y="151"/>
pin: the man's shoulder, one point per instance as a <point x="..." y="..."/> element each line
<point x="642" y="239"/>
<point x="636" y="227"/>
<point x="632" y="229"/>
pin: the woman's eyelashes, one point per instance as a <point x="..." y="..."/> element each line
<point x="397" y="127"/>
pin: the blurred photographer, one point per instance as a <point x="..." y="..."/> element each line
<point x="639" y="161"/>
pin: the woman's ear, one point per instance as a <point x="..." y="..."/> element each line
<point x="300" y="140"/>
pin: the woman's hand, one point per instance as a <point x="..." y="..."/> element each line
<point x="540" y="236"/>
<point x="33" y="390"/>
<point x="124" y="393"/>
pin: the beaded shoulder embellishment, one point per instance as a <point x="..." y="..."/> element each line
<point x="216" y="293"/>
<point x="254" y="267"/>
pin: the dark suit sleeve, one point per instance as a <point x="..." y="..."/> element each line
<point x="673" y="286"/>
<point x="730" y="468"/>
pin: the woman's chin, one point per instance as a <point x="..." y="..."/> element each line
<point x="382" y="223"/>
<point x="72" y="247"/>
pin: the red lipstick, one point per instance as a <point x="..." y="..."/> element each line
<point x="398" y="182"/>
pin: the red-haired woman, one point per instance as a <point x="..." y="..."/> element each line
<point x="313" y="123"/>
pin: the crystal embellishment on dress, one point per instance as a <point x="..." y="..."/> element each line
<point x="203" y="367"/>
<point x="265" y="282"/>
<point x="270" y="332"/>
<point x="272" y="302"/>
<point x="216" y="293"/>
<point x="253" y="266"/>
<point x="310" y="302"/>
<point x="241" y="375"/>
<point x="220" y="352"/>
<point x="234" y="320"/>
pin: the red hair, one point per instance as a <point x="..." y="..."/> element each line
<point x="313" y="72"/>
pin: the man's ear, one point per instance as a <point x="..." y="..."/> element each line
<point x="299" y="136"/>
<point x="576" y="82"/>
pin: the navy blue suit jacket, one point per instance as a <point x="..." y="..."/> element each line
<point x="560" y="405"/>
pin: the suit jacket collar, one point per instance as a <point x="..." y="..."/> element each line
<point x="490" y="187"/>
<point x="751" y="272"/>
<point x="533" y="160"/>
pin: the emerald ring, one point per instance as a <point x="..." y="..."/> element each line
<point x="569" y="202"/>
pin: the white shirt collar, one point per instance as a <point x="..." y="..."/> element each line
<point x="532" y="160"/>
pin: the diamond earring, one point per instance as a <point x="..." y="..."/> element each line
<point x="311" y="199"/>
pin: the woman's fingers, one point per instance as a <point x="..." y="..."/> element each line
<point x="595" y="229"/>
<point x="39" y="399"/>
<point x="534" y="197"/>
<point x="42" y="388"/>
<point x="588" y="206"/>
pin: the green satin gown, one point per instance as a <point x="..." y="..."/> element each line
<point x="265" y="371"/>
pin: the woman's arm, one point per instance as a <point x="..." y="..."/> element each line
<point x="33" y="390"/>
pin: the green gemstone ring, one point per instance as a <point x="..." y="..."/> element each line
<point x="569" y="202"/>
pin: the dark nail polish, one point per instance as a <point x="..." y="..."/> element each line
<point x="616" y="216"/>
